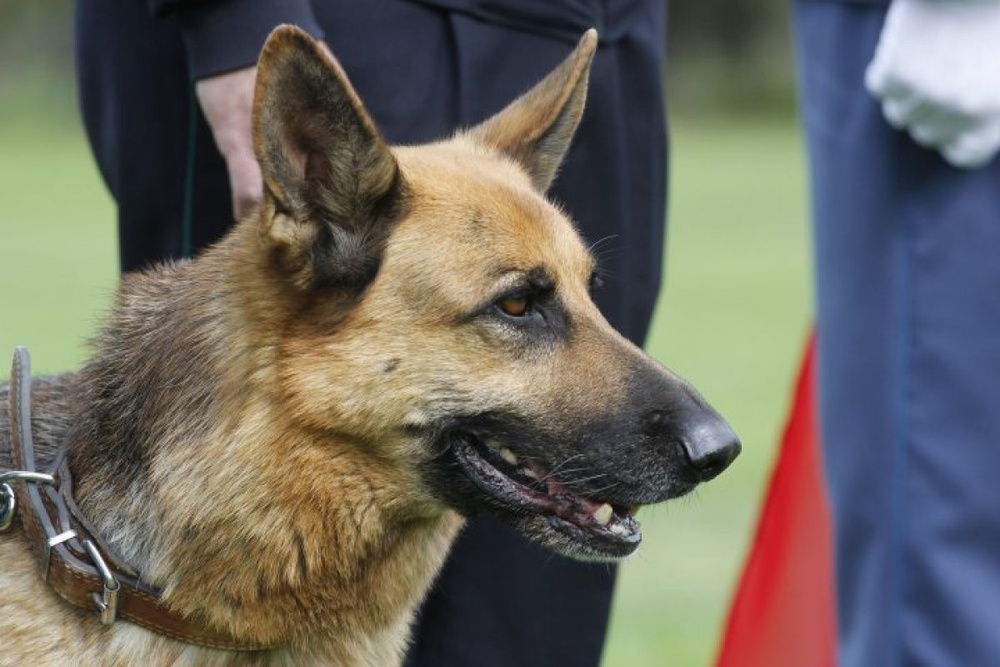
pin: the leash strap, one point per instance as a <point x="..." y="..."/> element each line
<point x="72" y="559"/>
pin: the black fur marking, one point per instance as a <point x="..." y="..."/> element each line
<point x="150" y="381"/>
<point x="300" y="547"/>
<point x="347" y="253"/>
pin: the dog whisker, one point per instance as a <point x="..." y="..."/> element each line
<point x="583" y="480"/>
<point x="593" y="247"/>
<point x="557" y="467"/>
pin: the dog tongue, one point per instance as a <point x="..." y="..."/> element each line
<point x="571" y="506"/>
<point x="555" y="499"/>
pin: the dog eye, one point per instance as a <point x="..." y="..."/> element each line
<point x="515" y="306"/>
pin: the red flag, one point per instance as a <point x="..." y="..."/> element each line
<point x="783" y="611"/>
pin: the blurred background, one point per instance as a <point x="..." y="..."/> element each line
<point x="732" y="316"/>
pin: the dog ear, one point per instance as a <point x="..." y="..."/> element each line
<point x="332" y="188"/>
<point x="537" y="128"/>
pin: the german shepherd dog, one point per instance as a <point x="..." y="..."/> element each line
<point x="283" y="435"/>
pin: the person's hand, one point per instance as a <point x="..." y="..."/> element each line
<point x="227" y="102"/>
<point x="936" y="71"/>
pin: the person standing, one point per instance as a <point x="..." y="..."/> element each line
<point x="901" y="108"/>
<point x="165" y="90"/>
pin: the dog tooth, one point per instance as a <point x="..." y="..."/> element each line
<point x="493" y="443"/>
<point x="508" y="455"/>
<point x="603" y="514"/>
<point x="529" y="473"/>
<point x="618" y="529"/>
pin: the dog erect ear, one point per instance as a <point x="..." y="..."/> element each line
<point x="332" y="187"/>
<point x="536" y="129"/>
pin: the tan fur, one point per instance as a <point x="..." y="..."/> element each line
<point x="244" y="434"/>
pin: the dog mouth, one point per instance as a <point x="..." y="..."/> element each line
<point x="522" y="491"/>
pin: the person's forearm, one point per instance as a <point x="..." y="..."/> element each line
<point x="223" y="39"/>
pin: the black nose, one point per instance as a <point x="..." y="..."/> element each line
<point x="710" y="446"/>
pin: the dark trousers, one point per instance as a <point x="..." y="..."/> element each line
<point x="909" y="363"/>
<point x="422" y="71"/>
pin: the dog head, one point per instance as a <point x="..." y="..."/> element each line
<point x="440" y="316"/>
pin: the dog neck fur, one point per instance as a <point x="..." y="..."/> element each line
<point x="192" y="464"/>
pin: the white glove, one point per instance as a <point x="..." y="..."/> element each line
<point x="937" y="72"/>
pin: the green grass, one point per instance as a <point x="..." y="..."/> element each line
<point x="58" y="258"/>
<point x="732" y="319"/>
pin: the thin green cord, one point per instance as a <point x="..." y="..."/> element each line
<point x="187" y="221"/>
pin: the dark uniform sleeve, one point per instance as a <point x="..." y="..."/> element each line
<point x="225" y="35"/>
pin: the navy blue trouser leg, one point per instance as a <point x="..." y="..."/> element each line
<point x="907" y="252"/>
<point x="136" y="101"/>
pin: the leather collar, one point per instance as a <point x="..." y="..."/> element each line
<point x="71" y="557"/>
